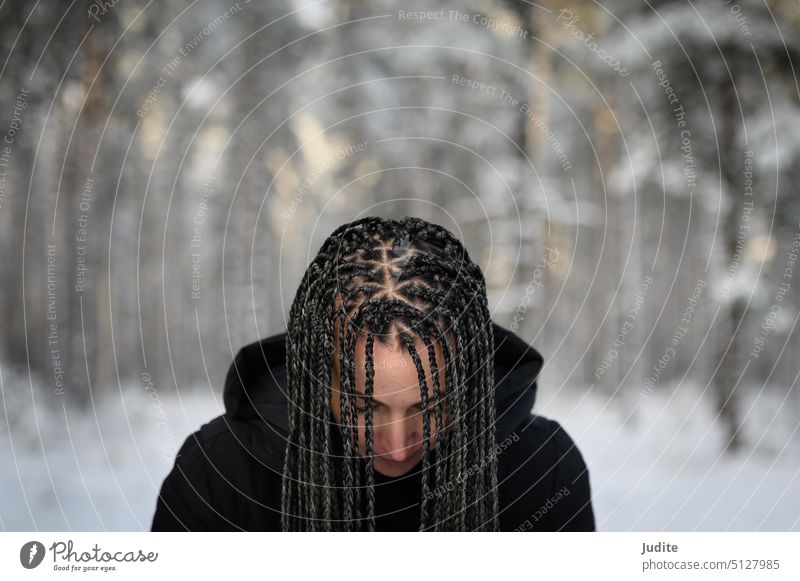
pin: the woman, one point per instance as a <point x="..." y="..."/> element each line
<point x="392" y="402"/>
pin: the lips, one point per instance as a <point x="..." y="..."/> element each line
<point x="392" y="468"/>
<point x="393" y="462"/>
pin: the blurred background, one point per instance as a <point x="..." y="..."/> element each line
<point x="625" y="173"/>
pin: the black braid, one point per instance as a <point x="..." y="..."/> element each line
<point x="389" y="279"/>
<point x="370" y="436"/>
<point x="426" y="430"/>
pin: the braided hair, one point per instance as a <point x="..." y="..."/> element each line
<point x="406" y="280"/>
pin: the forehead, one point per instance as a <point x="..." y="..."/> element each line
<point x="395" y="373"/>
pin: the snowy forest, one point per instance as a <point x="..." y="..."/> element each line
<point x="625" y="174"/>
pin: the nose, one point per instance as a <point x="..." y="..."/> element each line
<point x="394" y="441"/>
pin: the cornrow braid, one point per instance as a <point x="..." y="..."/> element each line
<point x="413" y="282"/>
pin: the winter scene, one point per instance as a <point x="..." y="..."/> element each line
<point x="337" y="265"/>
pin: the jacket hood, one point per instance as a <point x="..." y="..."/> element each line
<point x="255" y="390"/>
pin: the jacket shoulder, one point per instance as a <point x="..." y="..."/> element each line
<point x="184" y="502"/>
<point x="547" y="478"/>
<point x="217" y="482"/>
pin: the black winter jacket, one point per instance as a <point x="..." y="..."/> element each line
<point x="227" y="474"/>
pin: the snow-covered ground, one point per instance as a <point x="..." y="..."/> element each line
<point x="100" y="471"/>
<point x="661" y="471"/>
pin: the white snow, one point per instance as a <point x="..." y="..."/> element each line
<point x="104" y="470"/>
<point x="663" y="469"/>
